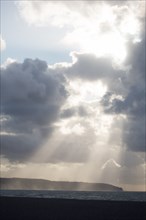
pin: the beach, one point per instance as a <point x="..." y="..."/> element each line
<point x="68" y="209"/>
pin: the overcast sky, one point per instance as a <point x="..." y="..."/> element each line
<point x="73" y="91"/>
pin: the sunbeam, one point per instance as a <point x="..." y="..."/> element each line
<point x="73" y="91"/>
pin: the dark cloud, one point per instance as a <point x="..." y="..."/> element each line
<point x="134" y="134"/>
<point x="19" y="147"/>
<point x="89" y="67"/>
<point x="31" y="98"/>
<point x="67" y="113"/>
<point x="133" y="105"/>
<point x="131" y="159"/>
<point x="74" y="111"/>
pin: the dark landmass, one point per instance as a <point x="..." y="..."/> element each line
<point x="70" y="209"/>
<point x="40" y="184"/>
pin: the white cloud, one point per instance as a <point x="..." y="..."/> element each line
<point x="42" y="13"/>
<point x="8" y="61"/>
<point x="62" y="13"/>
<point x="2" y="44"/>
<point x="97" y="27"/>
<point x="111" y="162"/>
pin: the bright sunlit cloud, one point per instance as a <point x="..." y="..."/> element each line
<point x="74" y="129"/>
<point x="8" y="62"/>
<point x="2" y="44"/>
<point x="85" y="92"/>
<point x="98" y="28"/>
<point x="109" y="44"/>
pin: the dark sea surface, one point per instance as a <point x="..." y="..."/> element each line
<point x="81" y="195"/>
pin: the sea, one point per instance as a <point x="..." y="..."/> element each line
<point x="81" y="195"/>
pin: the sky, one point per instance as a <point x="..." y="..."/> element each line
<point x="73" y="91"/>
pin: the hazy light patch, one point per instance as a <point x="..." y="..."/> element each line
<point x="119" y="97"/>
<point x="9" y="169"/>
<point x="85" y="92"/>
<point x="76" y="129"/>
<point x="8" y="133"/>
<point x="56" y="172"/>
<point x="102" y="124"/>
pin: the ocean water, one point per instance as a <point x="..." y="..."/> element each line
<point x="82" y="195"/>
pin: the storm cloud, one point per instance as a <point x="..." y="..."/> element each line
<point x="30" y="104"/>
<point x="133" y="105"/>
<point x="90" y="67"/>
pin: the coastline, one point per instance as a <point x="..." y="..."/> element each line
<point x="68" y="209"/>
